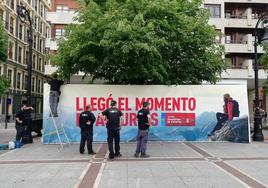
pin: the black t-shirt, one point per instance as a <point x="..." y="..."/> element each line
<point x="84" y="118"/>
<point x="21" y="116"/>
<point x="55" y="84"/>
<point x="113" y="115"/>
<point x="143" y="122"/>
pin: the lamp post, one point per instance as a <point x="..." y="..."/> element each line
<point x="258" y="135"/>
<point x="24" y="16"/>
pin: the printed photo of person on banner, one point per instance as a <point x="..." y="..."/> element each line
<point x="223" y="126"/>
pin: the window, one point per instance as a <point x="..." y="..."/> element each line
<point x="34" y="42"/>
<point x="34" y="61"/>
<point x="39" y="86"/>
<point x="40" y="45"/>
<point x="20" y="31"/>
<point x="9" y="75"/>
<point x="62" y="8"/>
<point x="33" y="83"/>
<point x="35" y="22"/>
<point x="18" y="80"/>
<point x="215" y="10"/>
<point x="27" y="57"/>
<point x="1" y="14"/>
<point x="41" y="28"/>
<point x="20" y="55"/>
<point x="42" y="11"/>
<point x="12" y="5"/>
<point x="42" y="86"/>
<point x="11" y="25"/>
<point x="25" y="82"/>
<point x="59" y="33"/>
<point x="47" y="32"/>
<point x="40" y="64"/>
<point x="10" y="50"/>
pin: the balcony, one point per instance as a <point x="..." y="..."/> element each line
<point x="61" y="18"/>
<point x="49" y="69"/>
<point x="51" y="44"/>
<point x="243" y="45"/>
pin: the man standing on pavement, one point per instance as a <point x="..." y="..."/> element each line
<point x="20" y="123"/>
<point x="86" y="122"/>
<point x="143" y="117"/>
<point x="113" y="118"/>
<point x="23" y="124"/>
<point x="54" y="94"/>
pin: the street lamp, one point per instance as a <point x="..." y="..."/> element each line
<point x="259" y="38"/>
<point x="24" y="16"/>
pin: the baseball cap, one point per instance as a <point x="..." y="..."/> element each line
<point x="145" y="104"/>
<point x="113" y="103"/>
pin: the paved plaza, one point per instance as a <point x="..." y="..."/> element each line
<point x="172" y="164"/>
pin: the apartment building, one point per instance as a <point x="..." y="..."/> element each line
<point x="236" y="19"/>
<point x="18" y="52"/>
<point x="61" y="14"/>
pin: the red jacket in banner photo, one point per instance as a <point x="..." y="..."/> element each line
<point x="228" y="108"/>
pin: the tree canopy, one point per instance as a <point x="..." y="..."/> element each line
<point x="4" y="82"/>
<point x="142" y="42"/>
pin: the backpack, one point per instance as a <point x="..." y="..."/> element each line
<point x="236" y="111"/>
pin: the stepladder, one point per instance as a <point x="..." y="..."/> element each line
<point x="59" y="129"/>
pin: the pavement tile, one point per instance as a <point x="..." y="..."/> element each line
<point x="227" y="149"/>
<point x="40" y="175"/>
<point x="161" y="149"/>
<point x="255" y="169"/>
<point x="38" y="151"/>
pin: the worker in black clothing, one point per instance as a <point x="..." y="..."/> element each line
<point x="112" y="116"/>
<point x="143" y="117"/>
<point x="22" y="122"/>
<point x="54" y="94"/>
<point x="86" y="121"/>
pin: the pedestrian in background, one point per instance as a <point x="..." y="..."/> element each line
<point x="86" y="122"/>
<point x="143" y="117"/>
<point x="113" y="117"/>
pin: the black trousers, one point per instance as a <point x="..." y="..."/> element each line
<point x="86" y="136"/>
<point x="113" y="135"/>
<point x="20" y="131"/>
<point x="221" y="118"/>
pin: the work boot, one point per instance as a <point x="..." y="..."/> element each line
<point x="118" y="155"/>
<point x="144" y="156"/>
<point x="92" y="153"/>
<point x="136" y="155"/>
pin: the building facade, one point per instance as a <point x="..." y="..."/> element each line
<point x="60" y="15"/>
<point x="18" y="53"/>
<point x="236" y="19"/>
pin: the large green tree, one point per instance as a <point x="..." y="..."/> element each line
<point x="4" y="82"/>
<point x="142" y="42"/>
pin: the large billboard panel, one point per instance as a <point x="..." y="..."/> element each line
<point x="178" y="113"/>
